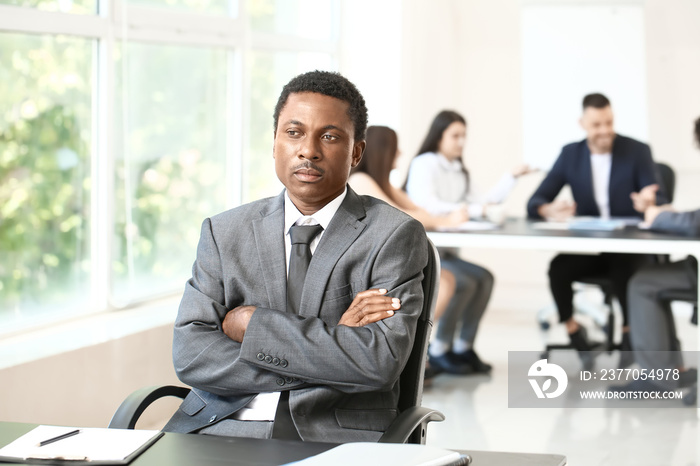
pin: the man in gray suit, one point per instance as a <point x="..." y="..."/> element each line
<point x="327" y="371"/>
<point x="651" y="326"/>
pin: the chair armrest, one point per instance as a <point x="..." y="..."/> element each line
<point x="135" y="404"/>
<point x="408" y="421"/>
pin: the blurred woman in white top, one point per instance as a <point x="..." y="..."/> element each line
<point x="439" y="182"/>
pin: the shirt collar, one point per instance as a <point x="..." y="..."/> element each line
<point x="323" y="217"/>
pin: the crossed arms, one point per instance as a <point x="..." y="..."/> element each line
<point x="357" y="347"/>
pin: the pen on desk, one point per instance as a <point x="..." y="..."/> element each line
<point x="60" y="437"/>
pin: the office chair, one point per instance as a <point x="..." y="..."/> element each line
<point x="668" y="181"/>
<point x="689" y="295"/>
<point x="411" y="424"/>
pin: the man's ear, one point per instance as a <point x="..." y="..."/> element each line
<point x="357" y="150"/>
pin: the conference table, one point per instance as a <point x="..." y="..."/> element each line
<point x="208" y="450"/>
<point x="522" y="234"/>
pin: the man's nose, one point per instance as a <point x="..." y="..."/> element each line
<point x="310" y="148"/>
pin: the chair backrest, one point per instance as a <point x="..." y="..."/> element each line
<point x="411" y="379"/>
<point x="668" y="178"/>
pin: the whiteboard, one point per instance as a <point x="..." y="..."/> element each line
<point x="570" y="49"/>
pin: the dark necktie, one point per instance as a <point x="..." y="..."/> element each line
<point x="299" y="259"/>
<point x="301" y="236"/>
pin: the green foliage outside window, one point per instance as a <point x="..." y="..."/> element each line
<point x="44" y="213"/>
<point x="45" y="185"/>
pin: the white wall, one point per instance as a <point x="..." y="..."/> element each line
<point x="673" y="73"/>
<point x="84" y="387"/>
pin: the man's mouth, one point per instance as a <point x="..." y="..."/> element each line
<point x="308" y="173"/>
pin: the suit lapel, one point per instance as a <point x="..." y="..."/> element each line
<point x="342" y="232"/>
<point x="269" y="242"/>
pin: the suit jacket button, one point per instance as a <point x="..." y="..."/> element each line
<point x="280" y="381"/>
<point x="283" y="363"/>
<point x="260" y="356"/>
<point x="268" y="359"/>
<point x="288" y="379"/>
<point x="212" y="419"/>
<point x="276" y="361"/>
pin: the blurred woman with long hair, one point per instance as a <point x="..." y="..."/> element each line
<point x="439" y="182"/>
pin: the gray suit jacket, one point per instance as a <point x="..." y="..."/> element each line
<point x="343" y="381"/>
<point x="684" y="223"/>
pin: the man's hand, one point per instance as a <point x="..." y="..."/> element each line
<point x="236" y="322"/>
<point x="645" y="198"/>
<point x="557" y="211"/>
<point x="653" y="211"/>
<point x="368" y="307"/>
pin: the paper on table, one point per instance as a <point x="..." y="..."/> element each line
<point x="91" y="444"/>
<point x="471" y="225"/>
<point x="352" y="454"/>
<point x="550" y="225"/>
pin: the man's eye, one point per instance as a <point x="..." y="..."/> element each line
<point x="292" y="132"/>
<point x="329" y="137"/>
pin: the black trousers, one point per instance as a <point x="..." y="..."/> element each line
<point x="568" y="268"/>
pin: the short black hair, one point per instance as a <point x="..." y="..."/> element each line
<point x="333" y="85"/>
<point x="697" y="131"/>
<point x="595" y="100"/>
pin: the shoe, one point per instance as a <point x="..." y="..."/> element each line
<point x="691" y="398"/>
<point x="688" y="378"/>
<point x="449" y="363"/>
<point x="626" y="354"/>
<point x="470" y="357"/>
<point x="579" y="339"/>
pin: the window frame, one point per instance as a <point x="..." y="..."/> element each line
<point x="119" y="22"/>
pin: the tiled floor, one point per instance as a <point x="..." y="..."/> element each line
<point x="478" y="416"/>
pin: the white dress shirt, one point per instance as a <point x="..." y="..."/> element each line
<point x="600" y="171"/>
<point x="264" y="405"/>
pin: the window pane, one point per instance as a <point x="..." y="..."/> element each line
<point x="45" y="140"/>
<point x="312" y="19"/>
<point x="270" y="71"/>
<point x="212" y="7"/>
<point x="170" y="162"/>
<point x="63" y="6"/>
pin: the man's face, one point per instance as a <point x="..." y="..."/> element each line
<point x="315" y="149"/>
<point x="451" y="144"/>
<point x="598" y="124"/>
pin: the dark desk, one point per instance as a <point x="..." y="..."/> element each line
<point x="204" y="450"/>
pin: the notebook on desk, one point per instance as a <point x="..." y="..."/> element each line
<point x="356" y="453"/>
<point x="93" y="445"/>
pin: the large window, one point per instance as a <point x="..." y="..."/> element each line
<point x="120" y="131"/>
<point x="46" y="130"/>
<point x="171" y="115"/>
